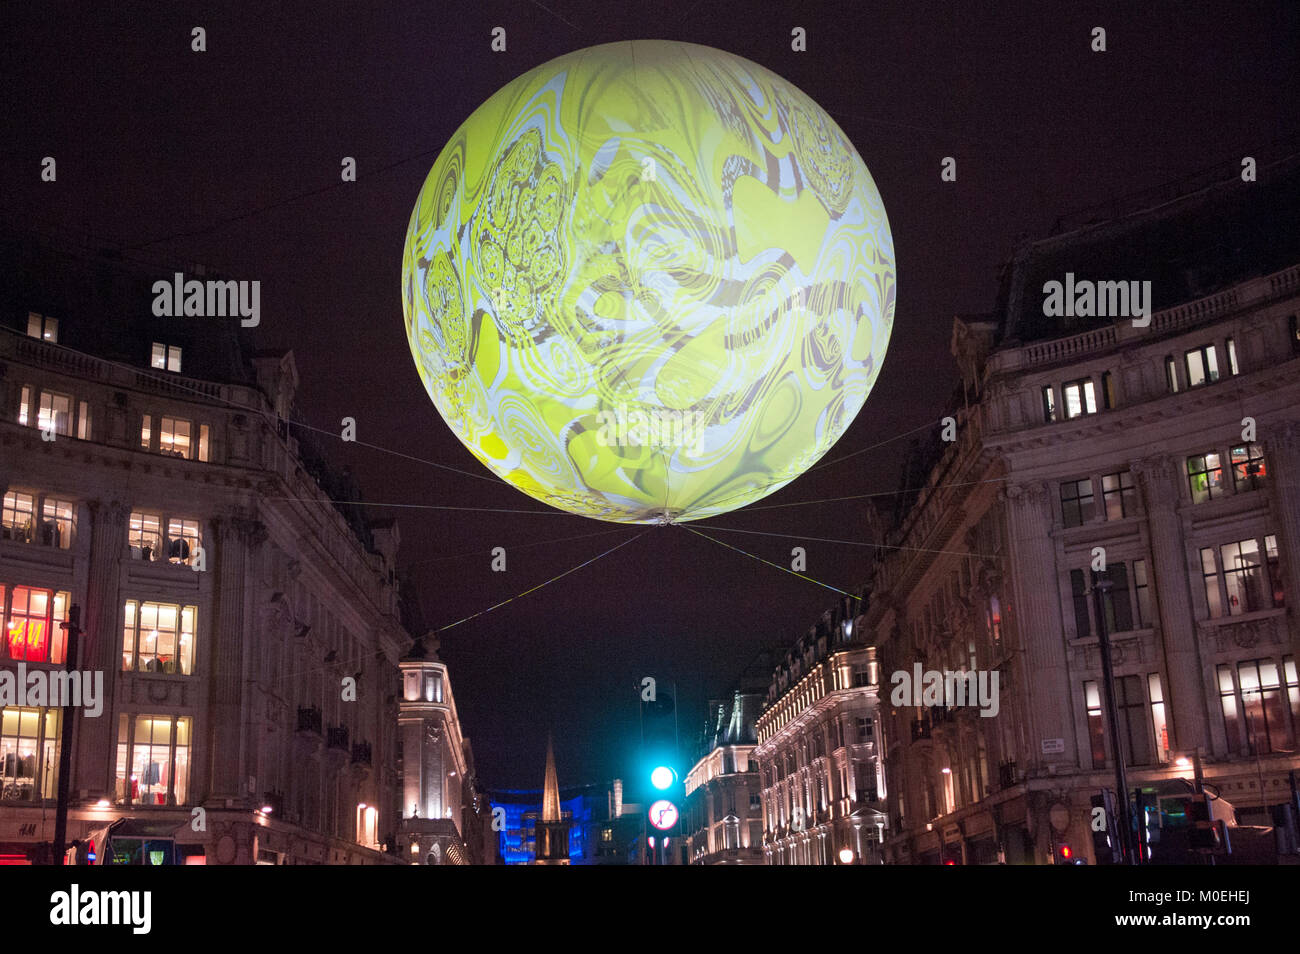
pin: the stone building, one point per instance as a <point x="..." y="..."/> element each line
<point x="820" y="774"/>
<point x="723" y="817"/>
<point x="1164" y="447"/>
<point x="247" y="627"/>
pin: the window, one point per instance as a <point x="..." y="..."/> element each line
<point x="1127" y="604"/>
<point x="203" y="443"/>
<point x="17" y="517"/>
<point x="32" y="618"/>
<point x="1202" y="366"/>
<point x="1080" y="398"/>
<point x="1205" y="477"/>
<point x="174" y="437"/>
<point x="29" y="754"/>
<point x="1049" y="405"/>
<point x="1248" y="471"/>
<point x="55" y="413"/>
<point x="1079" y="595"/>
<point x="166" y="357"/>
<point x="1142" y="594"/>
<point x="24" y="404"/>
<point x="1294" y="322"/>
<point x="1247" y="582"/>
<point x="146" y="432"/>
<point x="182" y="541"/>
<point x="1258" y="716"/>
<point x="153" y="759"/>
<point x="43" y="327"/>
<point x="1134" y="727"/>
<point x="1076" y="502"/>
<point x="1232" y="357"/>
<point x="83" y="421"/>
<point x="995" y="619"/>
<point x="864" y="729"/>
<point x="57" y="518"/>
<point x="158" y="637"/>
<point x="144" y="535"/>
<point x="1119" y="495"/>
<point x="1108" y="391"/>
<point x="1171" y="375"/>
<point x="1096" y="727"/>
<point x="1158" y="721"/>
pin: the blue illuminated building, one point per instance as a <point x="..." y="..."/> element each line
<point x="587" y="806"/>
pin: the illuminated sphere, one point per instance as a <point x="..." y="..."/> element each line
<point x="648" y="281"/>
<point x="661" y="777"/>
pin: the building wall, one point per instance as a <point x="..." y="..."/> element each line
<point x="289" y="603"/>
<point x="818" y="753"/>
<point x="993" y="565"/>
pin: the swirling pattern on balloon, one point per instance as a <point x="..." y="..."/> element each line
<point x="649" y="228"/>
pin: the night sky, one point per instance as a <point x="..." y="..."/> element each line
<point x="232" y="157"/>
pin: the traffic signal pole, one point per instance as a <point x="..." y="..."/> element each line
<point x="1100" y="586"/>
<point x="73" y="630"/>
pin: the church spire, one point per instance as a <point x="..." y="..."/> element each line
<point x="551" y="789"/>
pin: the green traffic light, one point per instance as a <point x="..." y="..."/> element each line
<point x="662" y="777"/>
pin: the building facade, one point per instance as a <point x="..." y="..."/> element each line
<point x="723" y="814"/>
<point x="246" y="628"/>
<point x="818" y="750"/>
<point x="1158" y="452"/>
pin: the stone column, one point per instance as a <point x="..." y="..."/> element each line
<point x="100" y="650"/>
<point x="224" y="650"/>
<point x="1282" y="464"/>
<point x="1172" y="567"/>
<point x="1036" y="586"/>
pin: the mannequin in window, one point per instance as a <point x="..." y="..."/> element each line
<point x="178" y="550"/>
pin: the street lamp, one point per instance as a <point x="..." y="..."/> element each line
<point x="846" y="856"/>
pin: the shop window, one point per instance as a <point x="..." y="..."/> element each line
<point x="32" y="623"/>
<point x="29" y="754"/>
<point x="153" y="760"/>
<point x="158" y="637"/>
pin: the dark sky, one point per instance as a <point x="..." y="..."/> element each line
<point x="165" y="152"/>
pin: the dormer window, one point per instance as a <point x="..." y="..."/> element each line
<point x="43" y="327"/>
<point x="166" y="357"/>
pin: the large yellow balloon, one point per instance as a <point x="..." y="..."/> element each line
<point x="648" y="281"/>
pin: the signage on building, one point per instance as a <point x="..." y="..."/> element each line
<point x="1053" y="746"/>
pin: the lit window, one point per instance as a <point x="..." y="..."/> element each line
<point x="1096" y="728"/>
<point x="146" y="431"/>
<point x="166" y="357"/>
<point x="1158" y="721"/>
<point x="18" y="517"/>
<point x="158" y="637"/>
<point x="183" y="541"/>
<point x="1242" y="577"/>
<point x="1134" y="723"/>
<point x="57" y="518"/>
<point x="24" y="404"/>
<point x="55" y="413"/>
<point x="32" y="617"/>
<point x="203" y="442"/>
<point x="1205" y="477"/>
<point x="174" y="437"/>
<point x="1080" y="398"/>
<point x="1247" y="467"/>
<point x="1232" y="357"/>
<point x="29" y="754"/>
<point x="1076" y="502"/>
<point x="83" y="421"/>
<point x="43" y="327"/>
<point x="1202" y="366"/>
<point x="158" y="756"/>
<point x="1119" y="495"/>
<point x="1171" y="375"/>
<point x="144" y="535"/>
<point x="1049" y="405"/>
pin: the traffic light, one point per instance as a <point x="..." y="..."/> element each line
<point x="1147" y="817"/>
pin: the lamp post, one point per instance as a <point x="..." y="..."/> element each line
<point x="1101" y="585"/>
